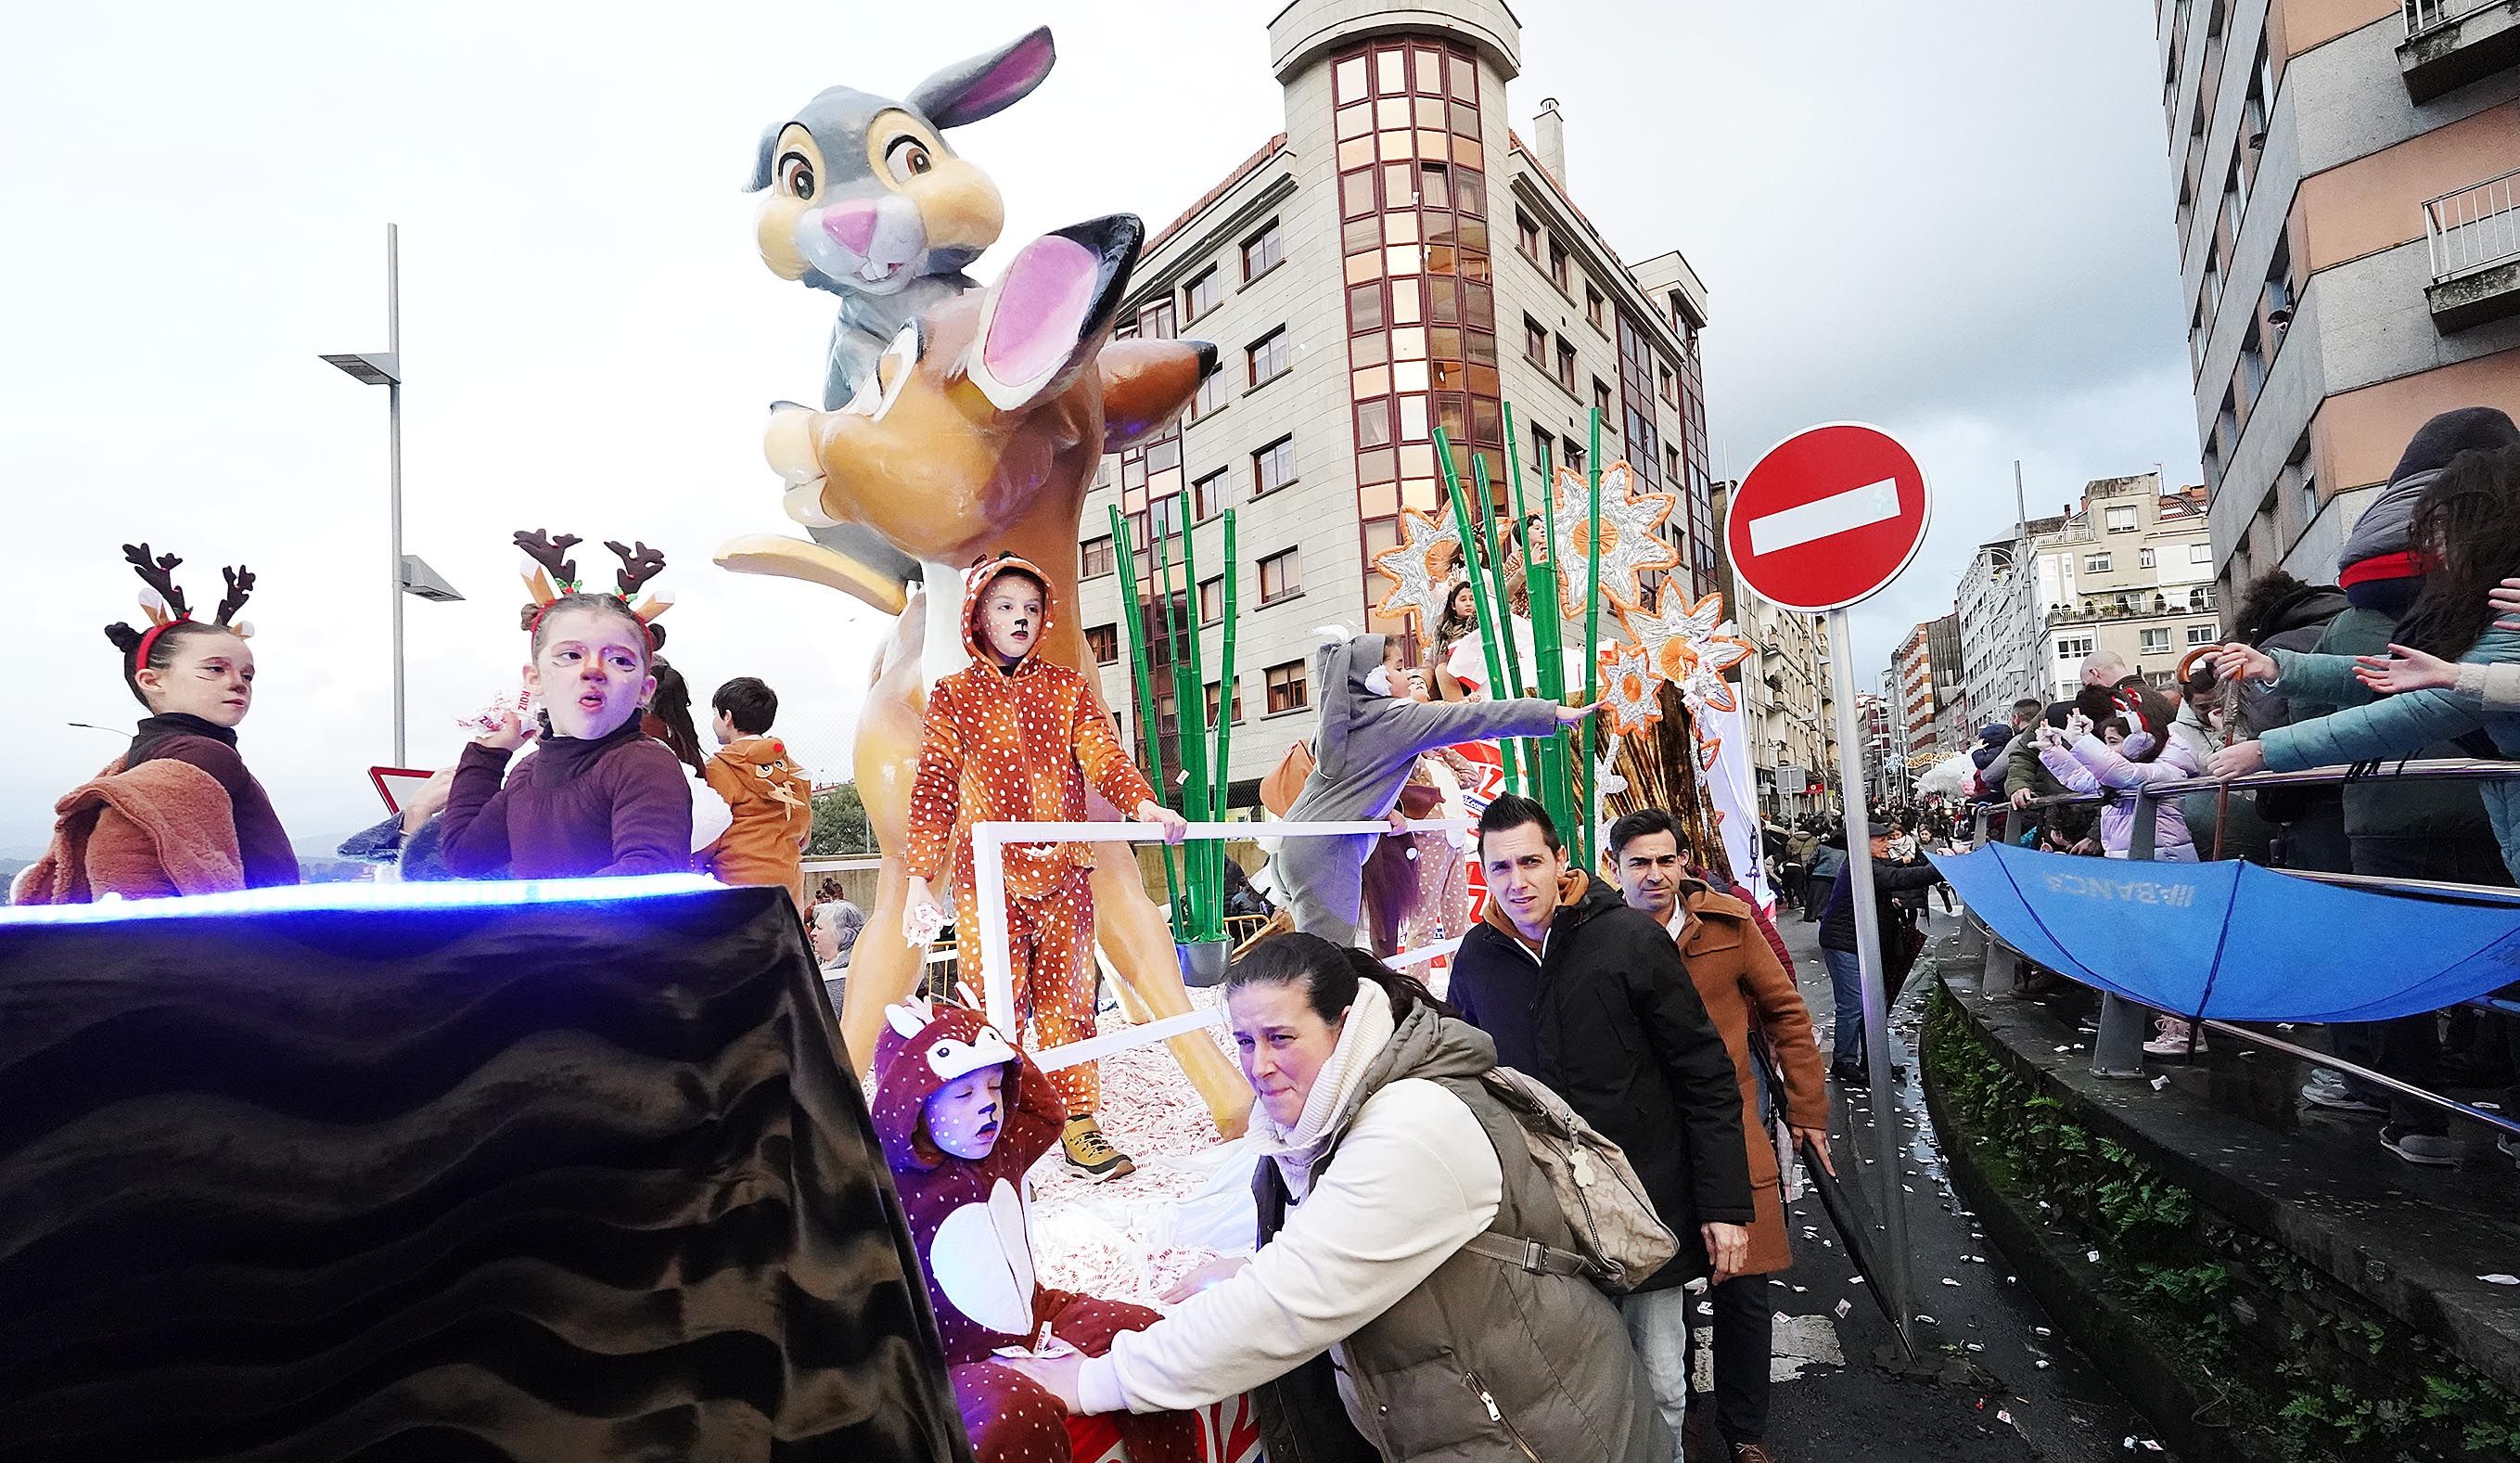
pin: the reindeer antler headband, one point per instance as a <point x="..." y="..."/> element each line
<point x="163" y="601"/>
<point x="2130" y="705"/>
<point x="551" y="576"/>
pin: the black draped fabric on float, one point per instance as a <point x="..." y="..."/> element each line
<point x="547" y="1181"/>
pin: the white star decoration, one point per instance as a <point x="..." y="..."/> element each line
<point x="1630" y="690"/>
<point x="1420" y="568"/>
<point x="1632" y="542"/>
<point x="1691" y="646"/>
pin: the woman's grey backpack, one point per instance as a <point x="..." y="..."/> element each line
<point x="1622" y="1240"/>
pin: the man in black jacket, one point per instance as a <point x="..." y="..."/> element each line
<point x="1838" y="948"/>
<point x="1591" y="997"/>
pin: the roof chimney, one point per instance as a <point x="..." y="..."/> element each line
<point x="1549" y="135"/>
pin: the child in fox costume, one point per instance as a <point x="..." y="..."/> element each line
<point x="1012" y="736"/>
<point x="963" y="1116"/>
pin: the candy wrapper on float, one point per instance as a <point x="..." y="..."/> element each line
<point x="1669" y="732"/>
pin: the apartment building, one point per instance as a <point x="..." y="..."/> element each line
<point x="1786" y="707"/>
<point x="2002" y="623"/>
<point x="1398" y="258"/>
<point x="2128" y="570"/>
<point x="2348" y="181"/>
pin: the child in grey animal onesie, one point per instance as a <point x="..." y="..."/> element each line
<point x="1371" y="734"/>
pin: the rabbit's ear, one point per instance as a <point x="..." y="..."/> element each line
<point x="986" y="84"/>
<point x="761" y="164"/>
<point x="1050" y="312"/>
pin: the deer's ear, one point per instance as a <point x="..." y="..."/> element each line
<point x="1045" y="317"/>
<point x="1145" y="384"/>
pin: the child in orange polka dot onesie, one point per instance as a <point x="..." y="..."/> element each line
<point x="1012" y="736"/>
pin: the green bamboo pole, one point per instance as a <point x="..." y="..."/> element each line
<point x="1469" y="540"/>
<point x="1534" y="751"/>
<point x="1222" y="789"/>
<point x="1517" y="750"/>
<point x="1548" y="639"/>
<point x="1206" y="896"/>
<point x="1146" y="683"/>
<point x="1495" y="606"/>
<point x="1592" y="639"/>
<point x="1187" y="893"/>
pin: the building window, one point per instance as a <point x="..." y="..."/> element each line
<point x="2153" y="642"/>
<point x="1201" y="294"/>
<point x="1374" y="423"/>
<point x="1566" y="366"/>
<point x="2095" y="564"/>
<point x="2200" y="553"/>
<point x="1104" y="641"/>
<point x="1096" y="557"/>
<point x="1207" y="496"/>
<point x="2072" y="647"/>
<point x="2144" y="557"/>
<point x="1268" y="356"/>
<point x="1535" y="343"/>
<point x="1593" y="310"/>
<point x="1526" y="236"/>
<point x="2201" y="634"/>
<point x="1211" y="607"/>
<point x="1557" y="264"/>
<point x="1282" y="575"/>
<point x="1168" y="517"/>
<point x="2122" y="520"/>
<point x="1543" y="454"/>
<point x="1272" y="467"/>
<point x="1263" y="252"/>
<point x="1210" y="396"/>
<point x="1671" y="468"/>
<point x="1602" y="397"/>
<point x="1286" y="687"/>
<point x="1668" y="385"/>
<point x="1574" y="458"/>
<point x="1212" y="700"/>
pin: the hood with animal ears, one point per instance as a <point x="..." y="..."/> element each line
<point x="975" y="638"/>
<point x="923" y="1046"/>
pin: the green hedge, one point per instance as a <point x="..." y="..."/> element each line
<point x="2295" y="1366"/>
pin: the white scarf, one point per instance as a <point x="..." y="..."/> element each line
<point x="1363" y="1036"/>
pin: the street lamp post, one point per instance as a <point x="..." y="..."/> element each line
<point x="384" y="368"/>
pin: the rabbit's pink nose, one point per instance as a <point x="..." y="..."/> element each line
<point x="851" y="224"/>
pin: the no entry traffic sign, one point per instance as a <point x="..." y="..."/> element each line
<point x="1828" y="517"/>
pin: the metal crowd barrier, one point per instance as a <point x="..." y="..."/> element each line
<point x="2117" y="1051"/>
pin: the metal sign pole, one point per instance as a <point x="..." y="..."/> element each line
<point x="1867" y="953"/>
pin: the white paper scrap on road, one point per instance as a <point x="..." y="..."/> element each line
<point x="1820" y="518"/>
<point x="2499" y="1279"/>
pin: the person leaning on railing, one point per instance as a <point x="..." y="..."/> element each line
<point x="2468" y="526"/>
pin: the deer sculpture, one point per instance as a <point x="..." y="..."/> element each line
<point x="978" y="430"/>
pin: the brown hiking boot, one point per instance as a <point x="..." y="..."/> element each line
<point x="1090" y="1153"/>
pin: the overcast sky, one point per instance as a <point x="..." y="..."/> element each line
<point x="1948" y="219"/>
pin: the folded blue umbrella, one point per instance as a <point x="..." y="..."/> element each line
<point x="2234" y="942"/>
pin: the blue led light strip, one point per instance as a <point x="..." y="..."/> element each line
<point x="446" y="894"/>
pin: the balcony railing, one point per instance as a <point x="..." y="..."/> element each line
<point x="2425" y="14"/>
<point x="2474" y="228"/>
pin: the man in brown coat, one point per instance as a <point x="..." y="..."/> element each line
<point x="1748" y="990"/>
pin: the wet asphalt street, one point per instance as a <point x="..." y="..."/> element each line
<point x="1986" y="1395"/>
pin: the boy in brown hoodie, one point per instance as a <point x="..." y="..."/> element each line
<point x="772" y="801"/>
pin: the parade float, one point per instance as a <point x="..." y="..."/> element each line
<point x="586" y="1166"/>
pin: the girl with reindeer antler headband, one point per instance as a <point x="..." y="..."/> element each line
<point x="177" y="813"/>
<point x="597" y="796"/>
